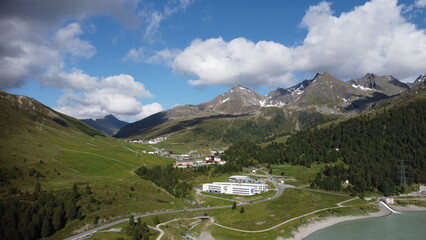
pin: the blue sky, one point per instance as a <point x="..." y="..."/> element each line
<point x="132" y="58"/>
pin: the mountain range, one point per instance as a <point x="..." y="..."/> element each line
<point x="108" y="125"/>
<point x="243" y="113"/>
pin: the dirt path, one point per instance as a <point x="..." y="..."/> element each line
<point x="157" y="228"/>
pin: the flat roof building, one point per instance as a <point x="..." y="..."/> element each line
<point x="235" y="188"/>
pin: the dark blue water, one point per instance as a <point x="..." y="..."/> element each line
<point x="404" y="226"/>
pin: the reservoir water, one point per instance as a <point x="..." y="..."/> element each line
<point x="398" y="226"/>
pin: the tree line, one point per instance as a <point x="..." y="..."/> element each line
<point x="176" y="180"/>
<point x="39" y="214"/>
<point x="168" y="177"/>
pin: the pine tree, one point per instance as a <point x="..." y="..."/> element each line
<point x="88" y="190"/>
<point x="75" y="193"/>
<point x="46" y="228"/>
<point x="58" y="218"/>
<point x="70" y="209"/>
<point x="131" y="221"/>
<point x="156" y="220"/>
<point x="96" y="219"/>
<point x="80" y="214"/>
<point x="234" y="205"/>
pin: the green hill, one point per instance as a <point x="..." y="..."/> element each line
<point x="40" y="145"/>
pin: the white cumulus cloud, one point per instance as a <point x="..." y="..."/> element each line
<point x="240" y="61"/>
<point x="67" y="40"/>
<point x="119" y="95"/>
<point x="374" y="37"/>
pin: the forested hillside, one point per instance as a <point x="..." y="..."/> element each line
<point x="367" y="150"/>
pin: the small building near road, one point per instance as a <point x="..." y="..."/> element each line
<point x="217" y="151"/>
<point x="184" y="163"/>
<point x="422" y="190"/>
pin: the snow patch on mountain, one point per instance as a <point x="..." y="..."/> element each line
<point x="225" y="100"/>
<point x="362" y="88"/>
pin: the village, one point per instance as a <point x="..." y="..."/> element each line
<point x="235" y="185"/>
<point x="183" y="160"/>
<point x="151" y="141"/>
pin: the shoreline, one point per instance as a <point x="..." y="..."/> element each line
<point x="408" y="208"/>
<point x="315" y="225"/>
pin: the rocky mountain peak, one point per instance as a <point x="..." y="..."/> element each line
<point x="110" y="117"/>
<point x="318" y="75"/>
<point x="386" y="84"/>
<point x="233" y="100"/>
<point x="108" y="125"/>
<point x="421" y="80"/>
<point x="369" y="76"/>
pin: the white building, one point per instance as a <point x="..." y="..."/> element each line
<point x="235" y="188"/>
<point x="422" y="190"/>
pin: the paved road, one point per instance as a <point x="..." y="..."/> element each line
<point x="280" y="188"/>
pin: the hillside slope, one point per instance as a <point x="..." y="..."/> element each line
<point x="40" y="145"/>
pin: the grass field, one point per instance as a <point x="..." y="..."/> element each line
<point x="284" y="231"/>
<point x="302" y="175"/>
<point x="253" y="198"/>
<point x="292" y="203"/>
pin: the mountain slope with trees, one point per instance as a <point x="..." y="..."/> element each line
<point x="367" y="150"/>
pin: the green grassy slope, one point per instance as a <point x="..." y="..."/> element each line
<point x="38" y="144"/>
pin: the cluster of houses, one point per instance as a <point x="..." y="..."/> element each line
<point x="151" y="141"/>
<point x="236" y="185"/>
<point x="188" y="162"/>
